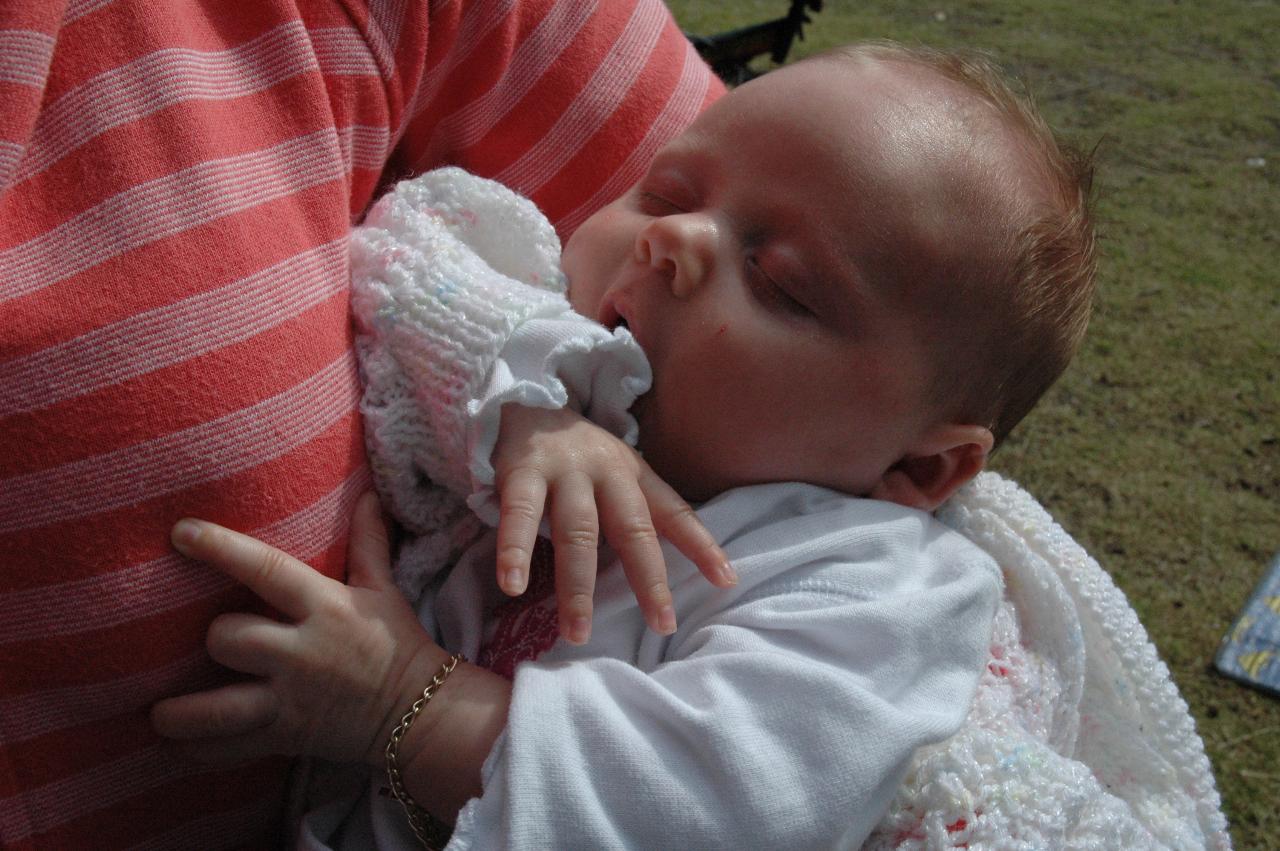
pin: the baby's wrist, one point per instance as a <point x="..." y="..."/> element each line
<point x="442" y="752"/>
<point x="414" y="678"/>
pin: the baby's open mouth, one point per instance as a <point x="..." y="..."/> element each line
<point x="610" y="317"/>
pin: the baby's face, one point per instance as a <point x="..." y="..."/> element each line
<point x="765" y="263"/>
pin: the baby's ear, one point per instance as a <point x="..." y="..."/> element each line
<point x="924" y="478"/>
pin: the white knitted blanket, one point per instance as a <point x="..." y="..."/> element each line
<point x="1077" y="737"/>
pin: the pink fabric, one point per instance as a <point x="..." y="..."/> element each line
<point x="526" y="626"/>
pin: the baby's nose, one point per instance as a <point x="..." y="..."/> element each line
<point x="682" y="247"/>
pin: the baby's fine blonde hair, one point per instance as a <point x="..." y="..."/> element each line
<point x="1021" y="329"/>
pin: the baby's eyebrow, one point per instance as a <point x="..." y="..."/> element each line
<point x="700" y="157"/>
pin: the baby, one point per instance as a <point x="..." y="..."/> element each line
<point x="850" y="278"/>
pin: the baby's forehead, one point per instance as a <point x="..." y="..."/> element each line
<point x="956" y="123"/>
<point x="905" y="171"/>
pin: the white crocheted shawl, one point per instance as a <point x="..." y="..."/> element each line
<point x="1077" y="737"/>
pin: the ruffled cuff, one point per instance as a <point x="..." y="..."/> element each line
<point x="554" y="362"/>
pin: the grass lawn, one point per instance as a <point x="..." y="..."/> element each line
<point x="1160" y="449"/>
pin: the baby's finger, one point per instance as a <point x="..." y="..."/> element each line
<point x="624" y="517"/>
<point x="676" y="521"/>
<point x="248" y="643"/>
<point x="276" y="577"/>
<point x="369" y="547"/>
<point x="227" y="711"/>
<point x="575" y="537"/>
<point x="230" y="750"/>
<point x="524" y="498"/>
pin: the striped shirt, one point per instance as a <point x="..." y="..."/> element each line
<point x="176" y="189"/>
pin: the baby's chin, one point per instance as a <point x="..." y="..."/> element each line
<point x="699" y="475"/>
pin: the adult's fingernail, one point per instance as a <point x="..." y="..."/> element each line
<point x="514" y="581"/>
<point x="729" y="575"/>
<point x="666" y="620"/>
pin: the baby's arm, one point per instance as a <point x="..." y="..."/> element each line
<point x="782" y="714"/>
<point x="458" y="303"/>
<point x="334" y="679"/>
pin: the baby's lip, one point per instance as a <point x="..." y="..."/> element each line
<point x="618" y="311"/>
<point x="608" y="314"/>
<point x="614" y="314"/>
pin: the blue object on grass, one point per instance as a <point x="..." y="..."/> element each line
<point x="1250" y="651"/>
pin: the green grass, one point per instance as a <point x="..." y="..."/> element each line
<point x="1160" y="448"/>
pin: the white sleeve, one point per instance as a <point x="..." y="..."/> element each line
<point x="458" y="304"/>
<point x="784" y="719"/>
<point x="554" y="362"/>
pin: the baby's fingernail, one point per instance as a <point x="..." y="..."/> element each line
<point x="666" y="620"/>
<point x="728" y="574"/>
<point x="579" y="630"/>
<point x="184" y="535"/>
<point x="514" y="581"/>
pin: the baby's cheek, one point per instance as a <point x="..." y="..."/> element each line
<point x="881" y="383"/>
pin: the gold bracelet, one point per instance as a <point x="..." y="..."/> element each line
<point x="432" y="833"/>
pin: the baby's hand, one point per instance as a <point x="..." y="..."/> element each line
<point x="587" y="480"/>
<point x="330" y="680"/>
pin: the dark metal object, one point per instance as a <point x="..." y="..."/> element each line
<point x="729" y="52"/>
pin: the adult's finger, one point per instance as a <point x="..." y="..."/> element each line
<point x="523" y="500"/>
<point x="227" y="711"/>
<point x="676" y="521"/>
<point x="277" y="577"/>
<point x="575" y="537"/>
<point x="624" y="518"/>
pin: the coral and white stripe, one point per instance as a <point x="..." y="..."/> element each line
<point x="169" y="205"/>
<point x="77" y="9"/>
<point x="10" y="154"/>
<point x="176" y="192"/>
<point x="365" y="147"/>
<point x="37" y="713"/>
<point x="161" y="80"/>
<point x="386" y="17"/>
<point x="209" y="451"/>
<point x="158" y="338"/>
<point x="337" y="51"/>
<point x="618" y="71"/>
<point x="689" y="93"/>
<point x="26" y="57"/>
<point x="162" y="584"/>
<point x="80" y="794"/>
<point x="538" y="52"/>
<point x="473" y="31"/>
